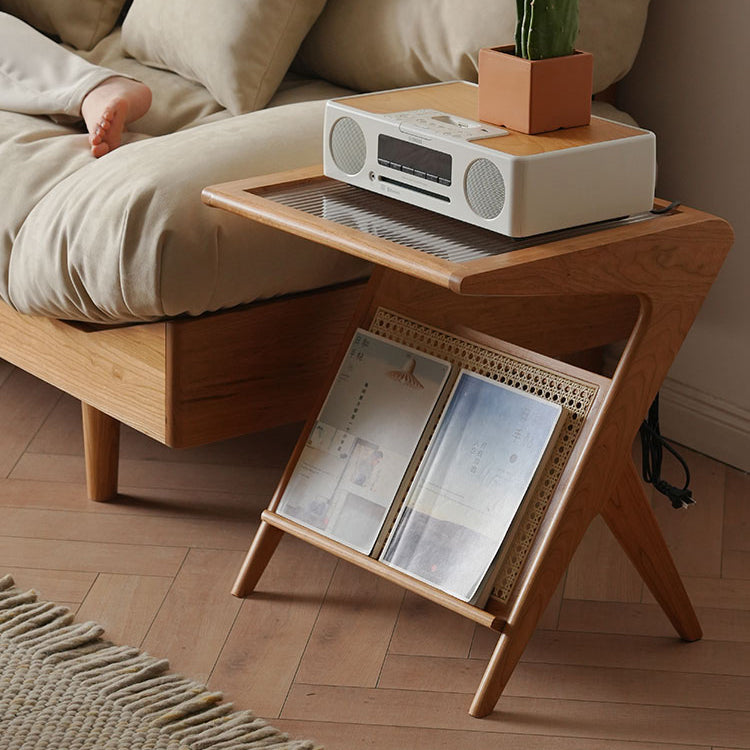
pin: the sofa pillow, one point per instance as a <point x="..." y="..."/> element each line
<point x="80" y="23"/>
<point x="238" y="49"/>
<point x="370" y="46"/>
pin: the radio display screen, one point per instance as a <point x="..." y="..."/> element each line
<point x="414" y="159"/>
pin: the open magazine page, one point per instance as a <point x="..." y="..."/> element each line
<point x="478" y="468"/>
<point x="363" y="440"/>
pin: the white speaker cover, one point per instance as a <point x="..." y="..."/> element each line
<point x="484" y="188"/>
<point x="348" y="147"/>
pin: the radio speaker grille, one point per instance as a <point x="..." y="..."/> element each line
<point x="484" y="188"/>
<point x="348" y="147"/>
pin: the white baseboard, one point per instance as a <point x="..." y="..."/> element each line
<point x="705" y="423"/>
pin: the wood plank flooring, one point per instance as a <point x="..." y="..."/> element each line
<point x="327" y="651"/>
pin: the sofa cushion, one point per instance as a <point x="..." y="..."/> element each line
<point x="127" y="238"/>
<point x="370" y="46"/>
<point x="239" y="50"/>
<point x="80" y="23"/>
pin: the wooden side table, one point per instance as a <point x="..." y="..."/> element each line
<point x="640" y="281"/>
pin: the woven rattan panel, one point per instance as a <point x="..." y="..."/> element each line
<point x="575" y="396"/>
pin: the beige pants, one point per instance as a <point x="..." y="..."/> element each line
<point x="40" y="77"/>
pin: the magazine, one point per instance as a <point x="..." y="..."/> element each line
<point x="488" y="449"/>
<point x="362" y="445"/>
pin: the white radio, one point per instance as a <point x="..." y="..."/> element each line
<point x="423" y="145"/>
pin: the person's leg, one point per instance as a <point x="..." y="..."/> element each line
<point x="40" y="77"/>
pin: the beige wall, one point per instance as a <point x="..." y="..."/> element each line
<point x="691" y="86"/>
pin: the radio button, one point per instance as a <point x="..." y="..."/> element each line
<point x="387" y="163"/>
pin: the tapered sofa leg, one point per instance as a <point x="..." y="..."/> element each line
<point x="101" y="444"/>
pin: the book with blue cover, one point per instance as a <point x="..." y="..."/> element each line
<point x="481" y="464"/>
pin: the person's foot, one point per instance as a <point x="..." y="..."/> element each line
<point x="108" y="107"/>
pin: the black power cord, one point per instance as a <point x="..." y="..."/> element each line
<point x="652" y="445"/>
<point x="666" y="209"/>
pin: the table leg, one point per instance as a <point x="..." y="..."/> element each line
<point x="261" y="550"/>
<point x="631" y="519"/>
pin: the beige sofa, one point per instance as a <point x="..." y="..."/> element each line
<point x="116" y="283"/>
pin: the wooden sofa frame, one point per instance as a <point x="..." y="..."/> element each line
<point x="184" y="381"/>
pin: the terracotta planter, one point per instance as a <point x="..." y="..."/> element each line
<point x="534" y="96"/>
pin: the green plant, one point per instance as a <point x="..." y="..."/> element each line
<point x="546" y="28"/>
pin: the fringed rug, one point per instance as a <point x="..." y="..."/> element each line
<point x="62" y="687"/>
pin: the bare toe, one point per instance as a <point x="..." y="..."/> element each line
<point x="99" y="149"/>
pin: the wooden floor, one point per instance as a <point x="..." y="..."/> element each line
<point x="329" y="652"/>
